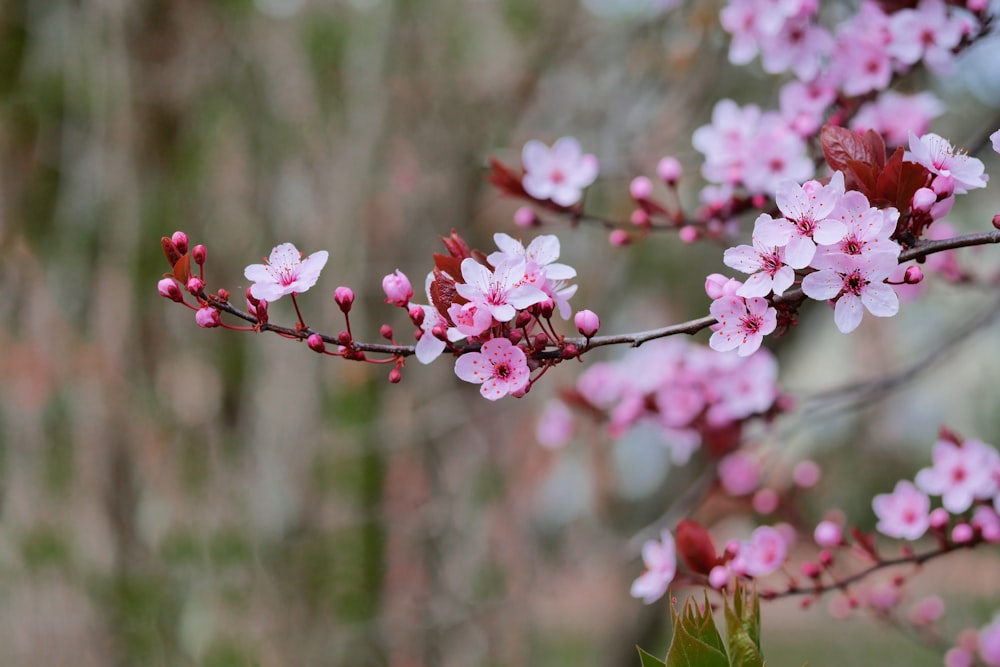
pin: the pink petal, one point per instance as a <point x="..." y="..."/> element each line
<point x="472" y="367"/>
<point x="822" y="285"/>
<point x="880" y="300"/>
<point x="848" y="313"/>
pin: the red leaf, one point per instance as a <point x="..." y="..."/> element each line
<point x="876" y="148"/>
<point x="841" y="145"/>
<point x="182" y="269"/>
<point x="695" y="546"/>
<point x="450" y="265"/>
<point x="170" y="250"/>
<point x="862" y="178"/>
<point x="443" y="294"/>
<point x="505" y="179"/>
<point x="865" y="542"/>
<point x="456" y="245"/>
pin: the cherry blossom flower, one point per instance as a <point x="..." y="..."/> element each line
<point x="904" y="513"/>
<point x="960" y="473"/>
<point x="939" y="157"/>
<point x="808" y="211"/>
<point x="660" y="559"/>
<point x="995" y="138"/>
<point x="500" y="367"/>
<point x="559" y="173"/>
<point x="430" y="347"/>
<point x="471" y="319"/>
<point x="894" y="115"/>
<point x="501" y="291"/>
<point x="925" y="33"/>
<point x="868" y="231"/>
<point x="767" y="267"/>
<point x="541" y="268"/>
<point x="739" y="474"/>
<point x="989" y="643"/>
<point x="854" y="281"/>
<point x="742" y="324"/>
<point x="764" y="553"/>
<point x="285" y="272"/>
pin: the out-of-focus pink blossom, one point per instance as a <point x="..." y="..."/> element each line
<point x="960" y="474"/>
<point x="560" y="173"/>
<point x="959" y="657"/>
<point x="882" y="596"/>
<point x="660" y="559"/>
<point x="669" y="169"/>
<point x="828" y="534"/>
<point x="555" y="425"/>
<point x="926" y="611"/>
<point x="894" y="115"/>
<point x="285" y="272"/>
<point x="902" y="514"/>
<point x="764" y="553"/>
<point x="989" y="643"/>
<point x="806" y="474"/>
<point x="765" y="501"/>
<point x="500" y="367"/>
<point x="739" y="474"/>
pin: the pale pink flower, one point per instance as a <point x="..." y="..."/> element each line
<point x="804" y="104"/>
<point x="806" y="474"/>
<point x="285" y="272"/>
<point x="894" y="115"/>
<point x="742" y="324"/>
<point x="828" y="534"/>
<point x="939" y="157"/>
<point x="543" y="251"/>
<point x="857" y="283"/>
<point x="764" y="553"/>
<point x="766" y="264"/>
<point x="555" y="425"/>
<point x="986" y="520"/>
<point x="995" y="138"/>
<point x="660" y="559"/>
<point x="882" y="596"/>
<point x="989" y="643"/>
<point x="808" y="221"/>
<point x="560" y="173"/>
<point x="958" y="656"/>
<point x="926" y="33"/>
<point x="904" y="513"/>
<point x="500" y="367"/>
<point x="501" y="291"/>
<point x="430" y="347"/>
<point x="739" y="473"/>
<point x="960" y="474"/>
<point x="868" y="231"/>
<point x="470" y="318"/>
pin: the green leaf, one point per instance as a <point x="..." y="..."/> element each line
<point x="648" y="660"/>
<point x="696" y="641"/>
<point x="743" y="628"/>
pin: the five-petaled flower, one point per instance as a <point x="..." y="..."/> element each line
<point x="904" y="513"/>
<point x="285" y="272"/>
<point x="660" y="559"/>
<point x="559" y="173"/>
<point x="742" y="324"/>
<point x="500" y="367"/>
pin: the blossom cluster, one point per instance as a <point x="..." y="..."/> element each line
<point x="965" y="475"/>
<point x="687" y="392"/>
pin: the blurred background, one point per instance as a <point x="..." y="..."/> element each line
<point x="171" y="495"/>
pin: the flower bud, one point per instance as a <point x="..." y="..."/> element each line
<point x="546" y="308"/>
<point x="913" y="275"/>
<point x="525" y="217"/>
<point x="939" y="518"/>
<point x="207" y="317"/>
<point x="996" y="221"/>
<point x="397" y="288"/>
<point x="439" y="332"/>
<point x="180" y="240"/>
<point x="251" y="299"/>
<point x="718" y="577"/>
<point x="395" y="376"/>
<point x="416" y="315"/>
<point x="522" y="320"/>
<point x="539" y="342"/>
<point x="810" y="569"/>
<point x="962" y="533"/>
<point x="385" y="331"/>
<point x="669" y="170"/>
<point x="195" y="285"/>
<point x="344" y="296"/>
<point x="944" y="186"/>
<point x="825" y="558"/>
<point x="639" y="217"/>
<point x="260" y="311"/>
<point x="718" y="286"/>
<point x="765" y="501"/>
<point x="199" y="254"/>
<point x="923" y="199"/>
<point x="344" y="338"/>
<point x="223" y="295"/>
<point x="619" y="238"/>
<point x="828" y="534"/>
<point x="806" y="474"/>
<point x="687" y="234"/>
<point x="569" y="351"/>
<point x="168" y="288"/>
<point x="640" y="188"/>
<point x="587" y="323"/>
<point x="315" y="343"/>
<point x="515" y="336"/>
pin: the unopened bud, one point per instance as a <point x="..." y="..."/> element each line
<point x="923" y="199"/>
<point x="828" y="534"/>
<point x="640" y="188"/>
<point x="397" y="288"/>
<point x="718" y="577"/>
<point x="180" y="240"/>
<point x="939" y="518"/>
<point x="546" y="308"/>
<point x="344" y="296"/>
<point x="251" y="299"/>
<point x="669" y="170"/>
<point x="199" y="254"/>
<point x="569" y="351"/>
<point x="944" y="186"/>
<point x="395" y="376"/>
<point x="539" y="342"/>
<point x="587" y="323"/>
<point x="439" y="332"/>
<point x="810" y="569"/>
<point x="515" y="336"/>
<point x="618" y="238"/>
<point x="207" y="317"/>
<point x="962" y="533"/>
<point x="825" y="558"/>
<point x="687" y="234"/>
<point x="639" y="217"/>
<point x="913" y="275"/>
<point x="522" y="320"/>
<point x="195" y="285"/>
<point x="416" y="315"/>
<point x="385" y="331"/>
<point x="260" y="311"/>
<point x="344" y="338"/>
<point x="168" y="288"/>
<point x="996" y="221"/>
<point x="315" y="343"/>
<point x="223" y="295"/>
<point x="525" y="217"/>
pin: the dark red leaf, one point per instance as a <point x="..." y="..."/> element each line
<point x="862" y="178"/>
<point x="456" y="245"/>
<point x="876" y="148"/>
<point x="841" y="145"/>
<point x="450" y="265"/>
<point x="695" y="546"/>
<point x="170" y="250"/>
<point x="182" y="269"/>
<point x="505" y="179"/>
<point x="443" y="294"/>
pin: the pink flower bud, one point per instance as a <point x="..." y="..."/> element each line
<point x="806" y="474"/>
<point x="913" y="275"/>
<point x="395" y="376"/>
<point x="180" y="240"/>
<point x="669" y="170"/>
<point x="385" y="331"/>
<point x="810" y="569"/>
<point x="996" y="221"/>
<point x="959" y="657"/>
<point x="439" y="332"/>
<point x="687" y="234"/>
<point x="639" y="217"/>
<point x="223" y="295"/>
<point x="416" y="315"/>
<point x="315" y="343"/>
<point x="828" y="534"/>
<point x="397" y="289"/>
<point x="168" y="288"/>
<point x="962" y="533"/>
<point x="977" y="5"/>
<point x="344" y="296"/>
<point x="546" y="308"/>
<point x="195" y="285"/>
<point x="739" y="474"/>
<point x="260" y="311"/>
<point x="765" y="501"/>
<point x="943" y="186"/>
<point x="525" y="217"/>
<point x="939" y="518"/>
<point x="718" y="577"/>
<point x="923" y="199"/>
<point x="640" y="188"/>
<point x="522" y="320"/>
<point x="619" y="238"/>
<point x="540" y="341"/>
<point x="587" y="323"/>
<point x="199" y="254"/>
<point x="344" y="338"/>
<point x="926" y="611"/>
<point x="569" y="351"/>
<point x="251" y="299"/>
<point x="207" y="317"/>
<point x="825" y="558"/>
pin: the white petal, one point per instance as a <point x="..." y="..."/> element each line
<point x="848" y="313"/>
<point x="880" y="300"/>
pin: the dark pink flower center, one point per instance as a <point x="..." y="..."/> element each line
<point x="854" y="282"/>
<point x="557" y="176"/>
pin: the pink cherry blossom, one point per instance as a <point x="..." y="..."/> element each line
<point x="995" y="138"/>
<point x="430" y="347"/>
<point x="989" y="643"/>
<point x="471" y="319"/>
<point x="868" y="230"/>
<point x="285" y="272"/>
<point x="766" y="264"/>
<point x="925" y="33"/>
<point x="960" y="474"/>
<point x="939" y="157"/>
<point x="560" y="173"/>
<point x="501" y="291"/>
<point x="764" y="553"/>
<point x="742" y="324"/>
<point x="904" y="513"/>
<point x="660" y="559"/>
<point x="894" y="115"/>
<point x="857" y="283"/>
<point x="500" y="367"/>
<point x="739" y="473"/>
<point x="808" y="211"/>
